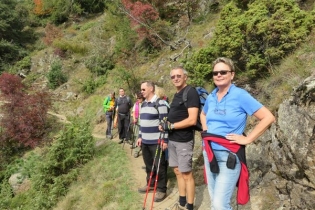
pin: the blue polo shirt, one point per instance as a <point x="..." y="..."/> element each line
<point x="230" y="114"/>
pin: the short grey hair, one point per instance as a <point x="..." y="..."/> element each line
<point x="180" y="67"/>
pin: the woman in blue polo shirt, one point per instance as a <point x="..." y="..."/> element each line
<point x="224" y="119"/>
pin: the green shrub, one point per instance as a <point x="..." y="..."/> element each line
<point x="124" y="35"/>
<point x="89" y="86"/>
<point x="73" y="46"/>
<point x="99" y="65"/>
<point x="55" y="76"/>
<point x="255" y="38"/>
<point x="61" y="10"/>
<point x="10" y="52"/>
<point x="24" y="64"/>
<point x="52" y="172"/>
<point x="5" y="194"/>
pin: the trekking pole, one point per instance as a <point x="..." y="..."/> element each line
<point x="158" y="168"/>
<point x="133" y="138"/>
<point x="151" y="174"/>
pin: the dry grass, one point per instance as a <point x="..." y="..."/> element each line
<point x="104" y="183"/>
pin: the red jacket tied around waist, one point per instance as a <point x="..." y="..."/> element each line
<point x="239" y="150"/>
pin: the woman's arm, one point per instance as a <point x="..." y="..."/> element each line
<point x="265" y="118"/>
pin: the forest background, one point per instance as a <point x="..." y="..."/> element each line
<point x="65" y="56"/>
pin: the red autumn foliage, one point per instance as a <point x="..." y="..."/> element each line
<point x="24" y="115"/>
<point x="140" y="14"/>
<point x="10" y="85"/>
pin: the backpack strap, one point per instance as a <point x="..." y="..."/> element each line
<point x="156" y="105"/>
<point x="185" y="95"/>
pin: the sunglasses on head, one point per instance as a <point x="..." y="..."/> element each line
<point x="178" y="76"/>
<point x="222" y="72"/>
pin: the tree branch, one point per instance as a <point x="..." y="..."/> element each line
<point x="147" y="26"/>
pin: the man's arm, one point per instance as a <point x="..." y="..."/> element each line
<point x="191" y="120"/>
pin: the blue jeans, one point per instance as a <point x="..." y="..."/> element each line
<point x="221" y="185"/>
<point x="109" y="120"/>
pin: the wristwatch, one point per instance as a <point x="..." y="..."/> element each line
<point x="172" y="126"/>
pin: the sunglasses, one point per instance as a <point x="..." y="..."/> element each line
<point x="222" y="72"/>
<point x="178" y="76"/>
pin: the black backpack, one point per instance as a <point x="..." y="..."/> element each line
<point x="203" y="94"/>
<point x="124" y="104"/>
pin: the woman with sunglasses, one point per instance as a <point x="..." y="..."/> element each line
<point x="223" y="120"/>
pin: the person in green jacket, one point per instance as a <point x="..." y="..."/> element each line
<point x="109" y="109"/>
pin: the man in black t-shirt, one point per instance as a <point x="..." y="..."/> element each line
<point x="182" y="120"/>
<point x="123" y="106"/>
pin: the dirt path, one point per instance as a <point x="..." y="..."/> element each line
<point x="139" y="177"/>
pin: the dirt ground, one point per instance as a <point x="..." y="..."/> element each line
<point x="139" y="176"/>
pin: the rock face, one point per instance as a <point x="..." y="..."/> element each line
<point x="282" y="161"/>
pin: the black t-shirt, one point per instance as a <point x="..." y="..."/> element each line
<point x="179" y="112"/>
<point x="124" y="104"/>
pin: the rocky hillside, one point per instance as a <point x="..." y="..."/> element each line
<point x="281" y="162"/>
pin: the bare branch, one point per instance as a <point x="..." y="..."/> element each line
<point x="147" y="26"/>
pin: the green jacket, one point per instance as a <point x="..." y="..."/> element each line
<point x="106" y="103"/>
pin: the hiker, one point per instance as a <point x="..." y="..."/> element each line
<point x="223" y="120"/>
<point x="152" y="112"/>
<point x="160" y="92"/>
<point x="123" y="106"/>
<point x="109" y="109"/>
<point x="181" y="121"/>
<point x="136" y="120"/>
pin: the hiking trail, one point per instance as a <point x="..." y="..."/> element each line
<point x="139" y="177"/>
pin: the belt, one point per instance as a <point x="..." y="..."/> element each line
<point x="123" y="113"/>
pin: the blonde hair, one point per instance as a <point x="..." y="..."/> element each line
<point x="226" y="61"/>
<point x="159" y="91"/>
